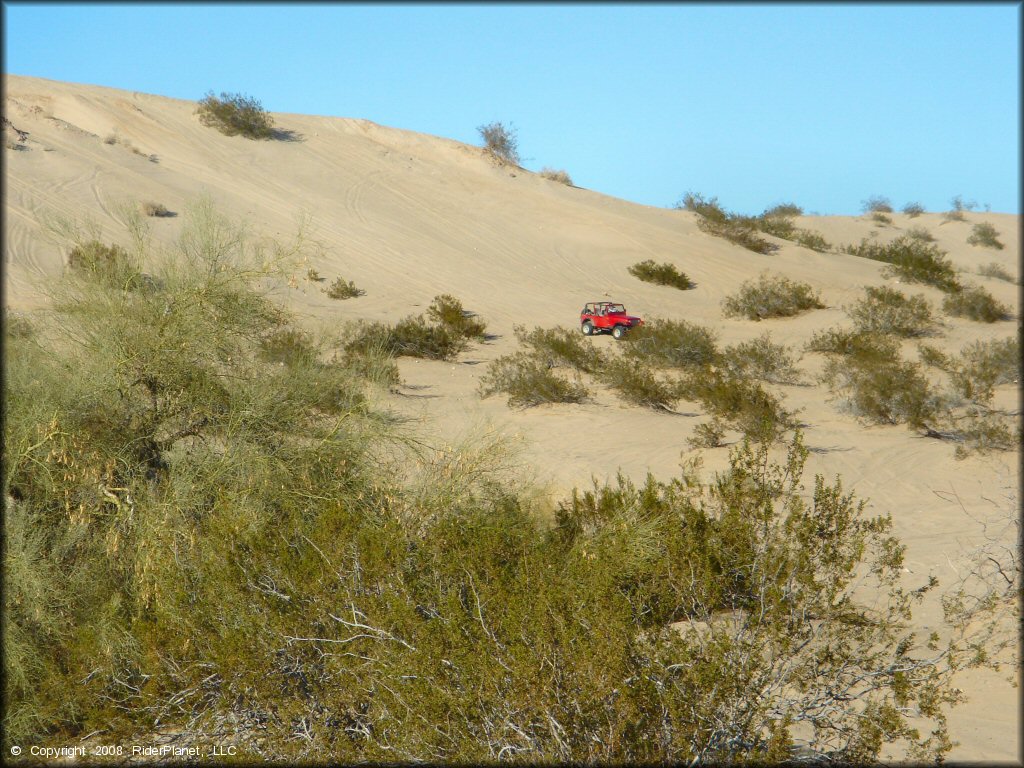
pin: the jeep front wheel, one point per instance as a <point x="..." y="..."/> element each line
<point x="588" y="329"/>
<point x="619" y="331"/>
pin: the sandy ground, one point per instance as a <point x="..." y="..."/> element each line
<point x="408" y="216"/>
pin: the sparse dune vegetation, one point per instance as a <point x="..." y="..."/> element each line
<point x="439" y="523"/>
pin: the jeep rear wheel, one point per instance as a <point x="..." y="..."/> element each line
<point x="619" y="331"/>
<point x="588" y="329"/>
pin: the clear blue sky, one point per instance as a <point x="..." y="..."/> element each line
<point x="822" y="105"/>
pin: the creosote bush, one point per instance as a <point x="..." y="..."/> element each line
<point x="661" y="274"/>
<point x="886" y="310"/>
<point x="913" y="210"/>
<point x="155" y="209"/>
<point x="235" y="114"/>
<point x="340" y="289"/>
<point x="771" y="296"/>
<point x="528" y="381"/>
<point x="735" y="400"/>
<point x="975" y="303"/>
<point x="447" y="311"/>
<point x="501" y="142"/>
<point x="996" y="270"/>
<point x="877" y="204"/>
<point x="984" y="234"/>
<point x="671" y="343"/>
<point x="763" y="359"/>
<point x="444" y="338"/>
<point x="554" y="174"/>
<point x="715" y="220"/>
<point x="910" y="258"/>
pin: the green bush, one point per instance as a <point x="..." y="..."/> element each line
<point x="671" y="343"/>
<point x="984" y="234"/>
<point x="155" y="209"/>
<point x="713" y="219"/>
<point x="552" y="174"/>
<point x="771" y="296"/>
<point x="784" y="210"/>
<point x="411" y="336"/>
<point x="528" y="382"/>
<point x="501" y="142"/>
<point x="340" y="289"/>
<point x="638" y="384"/>
<point x="911" y="259"/>
<point x="235" y="114"/>
<point x="884" y="392"/>
<point x="920" y="233"/>
<point x="881" y="218"/>
<point x="661" y="274"/>
<point x="876" y="204"/>
<point x="886" y="310"/>
<point x="812" y="240"/>
<point x="559" y="347"/>
<point x="762" y="359"/>
<point x="982" y="366"/>
<point x="996" y="270"/>
<point x="913" y="210"/>
<point x="975" y="303"/>
<point x="447" y="311"/>
<point x="731" y="398"/>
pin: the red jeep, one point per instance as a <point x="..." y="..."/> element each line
<point x="600" y="316"/>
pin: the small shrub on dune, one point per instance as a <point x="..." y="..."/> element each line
<point x="671" y="343"/>
<point x="771" y="296"/>
<point x="984" y="234"/>
<point x="920" y="233"/>
<point x="707" y="435"/>
<point x="661" y="274"/>
<point x="997" y="271"/>
<point x="715" y="220"/>
<point x="638" y="384"/>
<point x="883" y="392"/>
<point x="501" y="142"/>
<point x="109" y="264"/>
<point x="975" y="303"/>
<point x="881" y="218"/>
<point x="778" y="225"/>
<point x="288" y="346"/>
<point x="911" y="259"/>
<point x="783" y="210"/>
<point x="559" y="347"/>
<point x="763" y="359"/>
<point x="448" y="311"/>
<point x="735" y="400"/>
<point x="340" y="289"/>
<point x="934" y="357"/>
<point x="877" y="204"/>
<point x="553" y="174"/>
<point x="862" y="348"/>
<point x="528" y="382"/>
<point x="913" y="210"/>
<point x="886" y="310"/>
<point x="235" y="114"/>
<point x="409" y="337"/>
<point x="982" y="366"/>
<point x="812" y="240"/>
<point x="155" y="209"/>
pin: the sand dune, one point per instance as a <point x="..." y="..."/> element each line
<point x="408" y="216"/>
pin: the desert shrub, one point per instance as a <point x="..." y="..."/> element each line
<point x="985" y="234"/>
<point x="865" y="348"/>
<point x="920" y="233"/>
<point x="913" y="210"/>
<point x="235" y="114"/>
<point x="982" y="366"/>
<point x="813" y="240"/>
<point x="637" y="383"/>
<point x="935" y="358"/>
<point x="314" y="276"/>
<point x="876" y="204"/>
<point x="110" y="264"/>
<point x="501" y="142"/>
<point x="771" y="296"/>
<point x="529" y="381"/>
<point x="886" y="310"/>
<point x="881" y="218"/>
<point x="762" y="359"/>
<point x="155" y="209"/>
<point x="447" y="311"/>
<point x="558" y="347"/>
<point x="411" y="336"/>
<point x="715" y="220"/>
<point x="288" y="346"/>
<point x="883" y="391"/>
<point x="911" y="259"/>
<point x="735" y="400"/>
<point x="553" y="174"/>
<point x="786" y="210"/>
<point x="707" y="435"/>
<point x="661" y="274"/>
<point x="975" y="303"/>
<point x="671" y="343"/>
<point x="340" y="289"/>
<point x="997" y="271"/>
<point x="981" y="431"/>
<point x="778" y="225"/>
